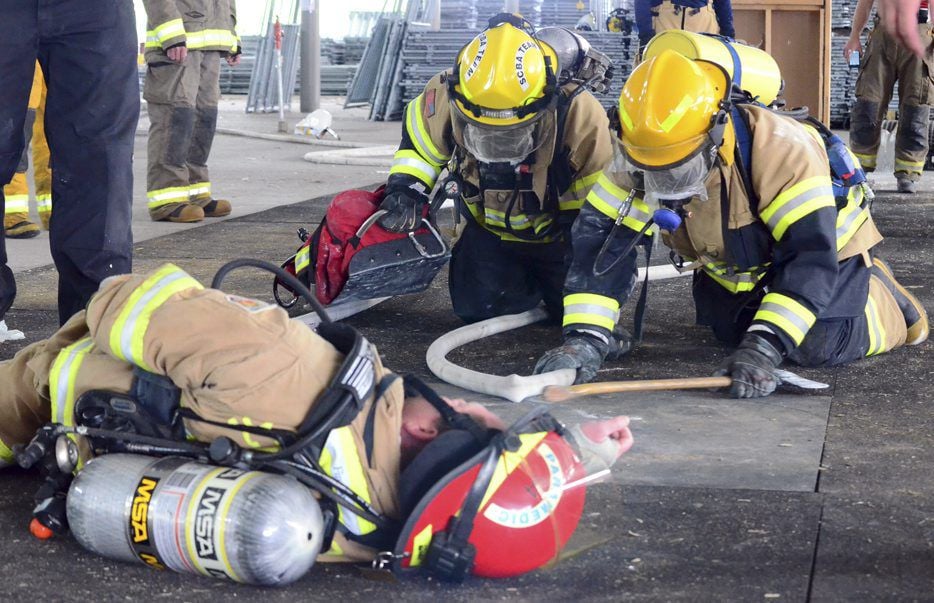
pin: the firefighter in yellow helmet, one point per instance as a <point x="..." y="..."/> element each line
<point x="782" y="269"/>
<point x="523" y="140"/>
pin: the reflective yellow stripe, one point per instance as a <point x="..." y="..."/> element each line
<point x="585" y="182"/>
<point x="787" y="314"/>
<point x="875" y="327"/>
<point x="165" y="196"/>
<point x="6" y="455"/>
<point x="129" y="330"/>
<point x="44" y="203"/>
<point x="624" y="117"/>
<point x="62" y="380"/>
<point x="677" y="114"/>
<point x="796" y="202"/>
<point x="200" y="189"/>
<point x="340" y="460"/>
<point x="911" y="167"/>
<point x="302" y="259"/>
<point x="17" y="204"/>
<point x="590" y="309"/>
<point x="608" y="199"/>
<point x="166" y="31"/>
<point x="851" y="217"/>
<point x="736" y="282"/>
<point x="206" y="38"/>
<point x="868" y="161"/>
<point x="509" y="461"/>
<point x="411" y="163"/>
<point x="418" y="133"/>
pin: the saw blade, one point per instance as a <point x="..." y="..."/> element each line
<point x="789" y="378"/>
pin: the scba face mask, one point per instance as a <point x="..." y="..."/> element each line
<point x="684" y="180"/>
<point x="500" y="144"/>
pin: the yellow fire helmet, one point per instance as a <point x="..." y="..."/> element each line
<point x="669" y="107"/>
<point x="504" y="76"/>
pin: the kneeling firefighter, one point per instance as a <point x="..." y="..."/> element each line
<point x="768" y="211"/>
<point x="523" y="141"/>
<point x="230" y="441"/>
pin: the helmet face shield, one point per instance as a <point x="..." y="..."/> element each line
<point x="682" y="180"/>
<point x="499" y="144"/>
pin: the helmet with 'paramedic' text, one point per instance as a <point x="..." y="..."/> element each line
<point x="672" y="116"/>
<point x="502" y="85"/>
<point x="492" y="509"/>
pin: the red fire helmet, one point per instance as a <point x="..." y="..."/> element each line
<point x="508" y="509"/>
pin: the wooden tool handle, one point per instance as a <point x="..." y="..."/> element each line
<point x="558" y="393"/>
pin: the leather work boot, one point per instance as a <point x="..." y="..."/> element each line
<point x="213" y="208"/>
<point x="18" y="226"/>
<point x="906" y="184"/>
<point x="621" y="343"/>
<point x="916" y="318"/>
<point x="177" y="212"/>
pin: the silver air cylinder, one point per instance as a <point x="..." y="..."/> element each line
<point x="247" y="526"/>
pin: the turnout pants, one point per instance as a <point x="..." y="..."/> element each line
<point x="667" y="16"/>
<point x="862" y="320"/>
<point x="490" y="277"/>
<point x="182" y="100"/>
<point x="87" y="51"/>
<point x="884" y="64"/>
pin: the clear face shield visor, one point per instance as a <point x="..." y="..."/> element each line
<point x="499" y="144"/>
<point x="682" y="180"/>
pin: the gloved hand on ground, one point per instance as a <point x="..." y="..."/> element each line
<point x="404" y="207"/>
<point x="752" y="367"/>
<point x="580" y="352"/>
<point x="602" y="442"/>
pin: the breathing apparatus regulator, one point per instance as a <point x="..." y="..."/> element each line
<point x="262" y="516"/>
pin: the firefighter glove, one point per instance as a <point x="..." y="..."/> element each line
<point x="752" y="367"/>
<point x="404" y="209"/>
<point x="579" y="352"/>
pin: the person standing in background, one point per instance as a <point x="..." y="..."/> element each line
<point x="885" y="62"/>
<point x="16" y="224"/>
<point x="87" y="51"/>
<point x="701" y="16"/>
<point x="185" y="40"/>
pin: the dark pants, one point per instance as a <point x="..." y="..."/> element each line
<point x="491" y="277"/>
<point x="87" y="49"/>
<point x="839" y="336"/>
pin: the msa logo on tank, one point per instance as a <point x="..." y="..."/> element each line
<point x="520" y="63"/>
<point x="529" y="516"/>
<point x="207" y="519"/>
<point x="140" y="524"/>
<point x="475" y="63"/>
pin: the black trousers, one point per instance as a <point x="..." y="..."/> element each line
<point x="840" y="334"/>
<point x="490" y="277"/>
<point x="87" y="49"/>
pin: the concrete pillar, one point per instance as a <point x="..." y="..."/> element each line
<point x="310" y="57"/>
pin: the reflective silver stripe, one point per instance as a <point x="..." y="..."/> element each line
<point x="787" y="314"/>
<point x="843" y="229"/>
<point x="593" y="310"/>
<point x="872" y="321"/>
<point x="129" y="327"/>
<point x="416" y="133"/>
<point x="65" y="378"/>
<point x="515" y="220"/>
<point x="610" y="199"/>
<point x="796" y="202"/>
<point x="430" y="171"/>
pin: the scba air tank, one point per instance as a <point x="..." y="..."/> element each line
<point x="247" y="526"/>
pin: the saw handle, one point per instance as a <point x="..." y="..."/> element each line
<point x="560" y="393"/>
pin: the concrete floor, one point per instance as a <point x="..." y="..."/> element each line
<point x="797" y="497"/>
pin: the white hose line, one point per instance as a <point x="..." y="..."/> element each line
<point x="514" y="388"/>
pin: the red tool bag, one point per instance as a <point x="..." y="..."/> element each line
<point x="387" y="263"/>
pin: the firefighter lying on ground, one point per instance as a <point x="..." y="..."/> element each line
<point x="523" y="151"/>
<point x="241" y="368"/>
<point x="781" y="268"/>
